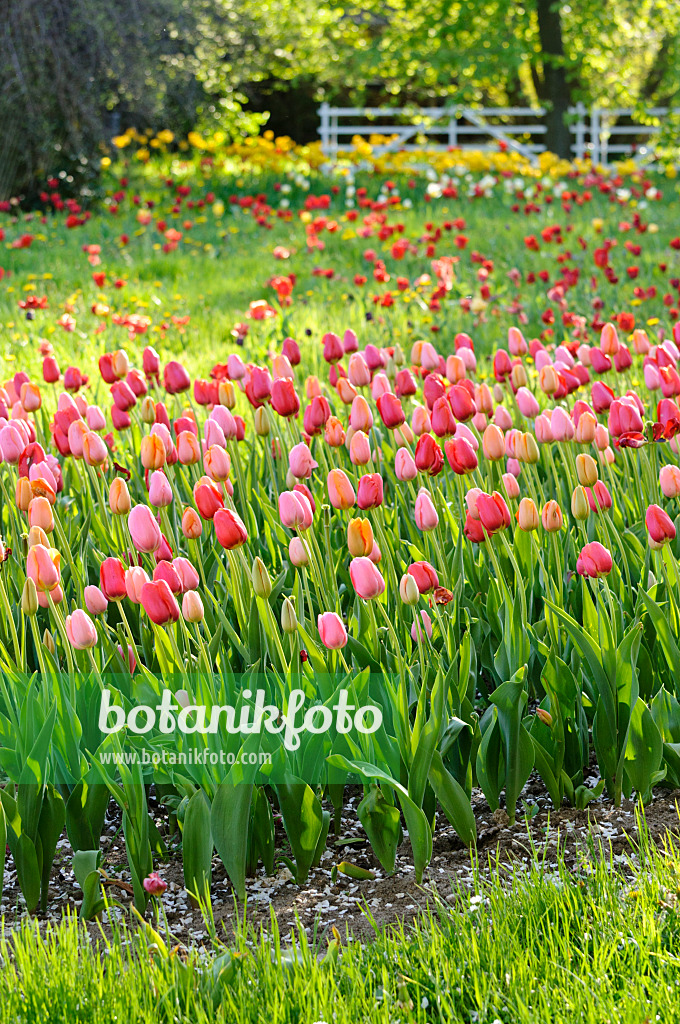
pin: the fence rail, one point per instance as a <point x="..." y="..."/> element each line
<point x="599" y="133"/>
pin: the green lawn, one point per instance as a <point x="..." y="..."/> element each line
<point x="596" y="945"/>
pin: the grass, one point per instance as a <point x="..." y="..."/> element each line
<point x="547" y="944"/>
<point x="225" y="261"/>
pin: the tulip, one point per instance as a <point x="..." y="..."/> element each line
<point x="332" y="631"/>
<point x="511" y="486"/>
<point x="144" y="529"/>
<point x="429" y="457"/>
<point x="192" y="607"/>
<point x="159" y="603"/>
<point x="135" y="578"/>
<point x="298" y="553"/>
<point x="551" y="517"/>
<point x="23" y="493"/>
<point x="230" y="529"/>
<point x="425" y="576"/>
<point x="340" y="491"/>
<point x="175" y="378"/>
<point x="561" y="425"/>
<point x="95" y="601"/>
<point x="208" y="497"/>
<point x="404" y="465"/>
<point x="660" y="526"/>
<point x="602" y="497"/>
<point x="294" y="510"/>
<point x="112" y="579"/>
<point x="358" y="371"/>
<point x="119" y="497"/>
<point x="594" y="561"/>
<point x="366" y="578"/>
<point x="192" y="528"/>
<point x="301" y="462"/>
<point x="370" y="491"/>
<point x="360" y="417"/>
<point x="527" y="516"/>
<point x="548" y="380"/>
<point x="152" y="451"/>
<point x="461" y="455"/>
<point x="443" y="420"/>
<point x="40" y="514"/>
<point x="408" y="590"/>
<point x="289" y="622"/>
<point x="359" y="449"/>
<point x="391" y="411"/>
<point x="417" y="629"/>
<point x="285" y="400"/>
<point x="493" y="443"/>
<point x="359" y="537"/>
<point x="462" y="402"/>
<point x="526" y="449"/>
<point x="188" y="448"/>
<point x="493" y="512"/>
<point x="425" y="512"/>
<point x="165" y="570"/>
<point x="80" y="630"/>
<point x="586" y="470"/>
<point x="586" y="428"/>
<point x="669" y="481"/>
<point x="43" y="567"/>
<point x="420" y="421"/>
<point x="160" y="491"/>
<point x="29" y="597"/>
<point x="580" y="505"/>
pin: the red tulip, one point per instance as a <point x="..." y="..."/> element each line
<point x="175" y="378"/>
<point x="112" y="579"/>
<point x="594" y="561"/>
<point x="429" y="457"/>
<point x="660" y="526"/>
<point x="425" y="576"/>
<point x="370" y="491"/>
<point x="230" y="529"/>
<point x="390" y="411"/>
<point x="285" y="399"/>
<point x="461" y="455"/>
<point x="208" y="497"/>
<point x="158" y="601"/>
<point x="493" y="512"/>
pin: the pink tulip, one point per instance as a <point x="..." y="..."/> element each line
<point x="426" y="513"/>
<point x="81" y="630"/>
<point x="135" y="578"/>
<point x="186" y="572"/>
<point x="528" y="404"/>
<point x="301" y="462"/>
<point x="359" y="449"/>
<point x="404" y="465"/>
<point x="366" y="578"/>
<point x="95" y="601"/>
<point x="160" y="491"/>
<point x="298" y="553"/>
<point x="669" y="481"/>
<point x="417" y="629"/>
<point x="192" y="607"/>
<point x="332" y="631"/>
<point x="144" y="529"/>
<point x="294" y="510"/>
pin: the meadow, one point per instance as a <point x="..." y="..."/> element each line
<point x="399" y="432"/>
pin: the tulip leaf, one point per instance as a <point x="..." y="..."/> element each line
<point x="453" y="799"/>
<point x="381" y="822"/>
<point x="197" y="845"/>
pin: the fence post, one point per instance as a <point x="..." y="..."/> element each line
<point x="580" y="131"/>
<point x="334" y="134"/>
<point x="453" y="130"/>
<point x="324" y="129"/>
<point x="595" y="135"/>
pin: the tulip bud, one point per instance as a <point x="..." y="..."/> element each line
<point x="289" y="623"/>
<point x="298" y="553"/>
<point x="29" y="597"/>
<point x="527" y="515"/>
<point x="527" y="449"/>
<point x="192" y="607"/>
<point x="24" y="493"/>
<point x="36" y="535"/>
<point x="545" y="717"/>
<point x="226" y="394"/>
<point x="261" y="422"/>
<point x="580" y="507"/>
<point x="192" y="528"/>
<point x="551" y="517"/>
<point x="586" y="470"/>
<point x="408" y="590"/>
<point x="586" y="428"/>
<point x="119" y="497"/>
<point x="518" y="376"/>
<point x="49" y="643"/>
<point x="148" y="410"/>
<point x="359" y="537"/>
<point x="262" y="584"/>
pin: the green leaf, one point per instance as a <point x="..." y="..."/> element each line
<point x="644" y="751"/>
<point x="303" y="820"/>
<point x="453" y="799"/>
<point x="381" y="823"/>
<point x="197" y="845"/>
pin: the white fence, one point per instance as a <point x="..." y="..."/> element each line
<point x="598" y="133"/>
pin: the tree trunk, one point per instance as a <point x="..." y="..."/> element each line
<point x="555" y="90"/>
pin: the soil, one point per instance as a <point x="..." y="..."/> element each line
<point x="357" y="907"/>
